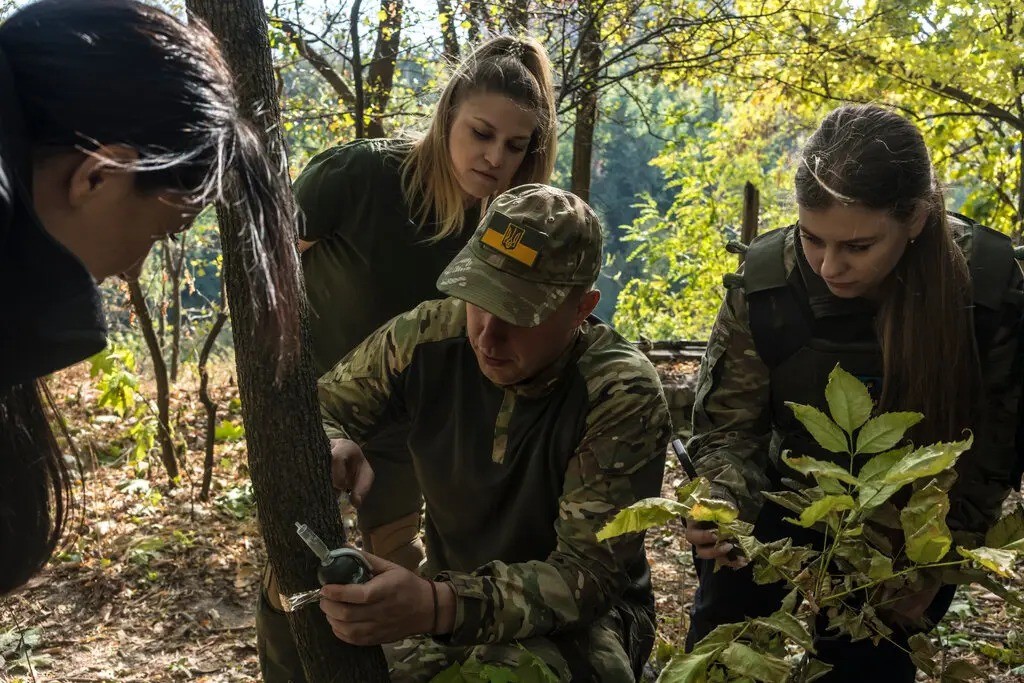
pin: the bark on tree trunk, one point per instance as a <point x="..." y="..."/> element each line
<point x="163" y="393"/>
<point x="451" y="37"/>
<point x="207" y="401"/>
<point x="357" y="71"/>
<point x="382" y="69"/>
<point x="177" y="269"/>
<point x="586" y="106"/>
<point x="517" y="16"/>
<point x="1019" y="228"/>
<point x="288" y="452"/>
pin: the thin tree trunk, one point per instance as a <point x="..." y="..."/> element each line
<point x="163" y="393"/>
<point x="177" y="269"/>
<point x="382" y="69"/>
<point x="204" y="394"/>
<point x="1019" y="228"/>
<point x="161" y="318"/>
<point x="586" y="106"/>
<point x="289" y="461"/>
<point x="446" y="16"/>
<point x="751" y="208"/>
<point x="517" y="16"/>
<point x="357" y="71"/>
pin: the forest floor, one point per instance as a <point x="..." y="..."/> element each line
<point x="154" y="585"/>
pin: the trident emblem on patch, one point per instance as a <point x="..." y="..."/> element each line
<point x="513" y="234"/>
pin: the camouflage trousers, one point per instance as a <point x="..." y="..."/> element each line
<point x="594" y="654"/>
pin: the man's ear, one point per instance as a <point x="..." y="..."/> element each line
<point x="102" y="173"/>
<point x="587" y="304"/>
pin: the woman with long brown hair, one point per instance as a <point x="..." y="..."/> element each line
<point x="922" y="305"/>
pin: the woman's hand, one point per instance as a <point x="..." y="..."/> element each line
<point x="704" y="538"/>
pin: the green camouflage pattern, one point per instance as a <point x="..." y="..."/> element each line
<point x="597" y="651"/>
<point x="619" y="460"/>
<point x="533" y="246"/>
<point x="732" y="426"/>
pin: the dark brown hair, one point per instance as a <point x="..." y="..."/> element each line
<point x="85" y="74"/>
<point x="869" y="156"/>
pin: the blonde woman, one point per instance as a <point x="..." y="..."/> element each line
<point x="382" y="218"/>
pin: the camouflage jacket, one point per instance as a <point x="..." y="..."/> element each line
<point x="516" y="480"/>
<point x="736" y="441"/>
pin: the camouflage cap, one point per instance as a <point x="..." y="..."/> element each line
<point x="534" y="244"/>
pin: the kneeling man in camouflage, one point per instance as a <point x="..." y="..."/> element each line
<point x="532" y="424"/>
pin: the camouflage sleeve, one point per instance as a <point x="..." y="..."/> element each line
<point x="987" y="471"/>
<point x="620" y="459"/>
<point x="731" y="412"/>
<point x="362" y="391"/>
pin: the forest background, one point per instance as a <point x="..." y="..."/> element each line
<point x="666" y="112"/>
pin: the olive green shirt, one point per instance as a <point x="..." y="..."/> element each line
<point x="371" y="260"/>
<point x="517" y="480"/>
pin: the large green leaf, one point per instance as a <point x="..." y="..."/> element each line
<point x="995" y="560"/>
<point x="642" y="515"/>
<point x="827" y="433"/>
<point x="1008" y="532"/>
<point x="820" y="509"/>
<point x="693" y="490"/>
<point x="746" y="661"/>
<point x="687" y="668"/>
<point x="924" y="525"/>
<point x="885" y="431"/>
<point x="927" y="461"/>
<point x="873" y="490"/>
<point x="820" y="469"/>
<point x="864" y="558"/>
<point x="793" y="501"/>
<point x="848" y="400"/>
<point x="785" y="623"/>
<point x="718" y="511"/>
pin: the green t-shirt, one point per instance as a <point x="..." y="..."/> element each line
<point x="371" y="260"/>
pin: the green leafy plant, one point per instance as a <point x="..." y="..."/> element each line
<point x="530" y="670"/>
<point x="875" y="555"/>
<point x="118" y="386"/>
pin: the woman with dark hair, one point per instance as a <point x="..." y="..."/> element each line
<point x="922" y="305"/>
<point x="118" y="123"/>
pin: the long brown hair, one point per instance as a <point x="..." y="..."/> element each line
<point x="870" y="156"/>
<point x="518" y="68"/>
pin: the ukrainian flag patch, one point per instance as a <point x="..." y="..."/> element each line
<point x="518" y="242"/>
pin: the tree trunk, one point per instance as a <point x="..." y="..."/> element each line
<point x="382" y="68"/>
<point x="357" y="71"/>
<point x="177" y="269"/>
<point x="207" y="401"/>
<point x="288" y="452"/>
<point x="1019" y="228"/>
<point x="451" y="38"/>
<point x="517" y="16"/>
<point x="586" y="105"/>
<point x="751" y="208"/>
<point x="163" y="393"/>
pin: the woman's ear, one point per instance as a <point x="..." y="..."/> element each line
<point x="102" y="173"/>
<point x="918" y="220"/>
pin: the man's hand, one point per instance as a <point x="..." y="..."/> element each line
<point x="394" y="604"/>
<point x="708" y="547"/>
<point x="349" y="470"/>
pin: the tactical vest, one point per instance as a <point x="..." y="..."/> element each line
<point x="801" y="331"/>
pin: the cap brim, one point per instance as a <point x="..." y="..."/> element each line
<point x="513" y="299"/>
